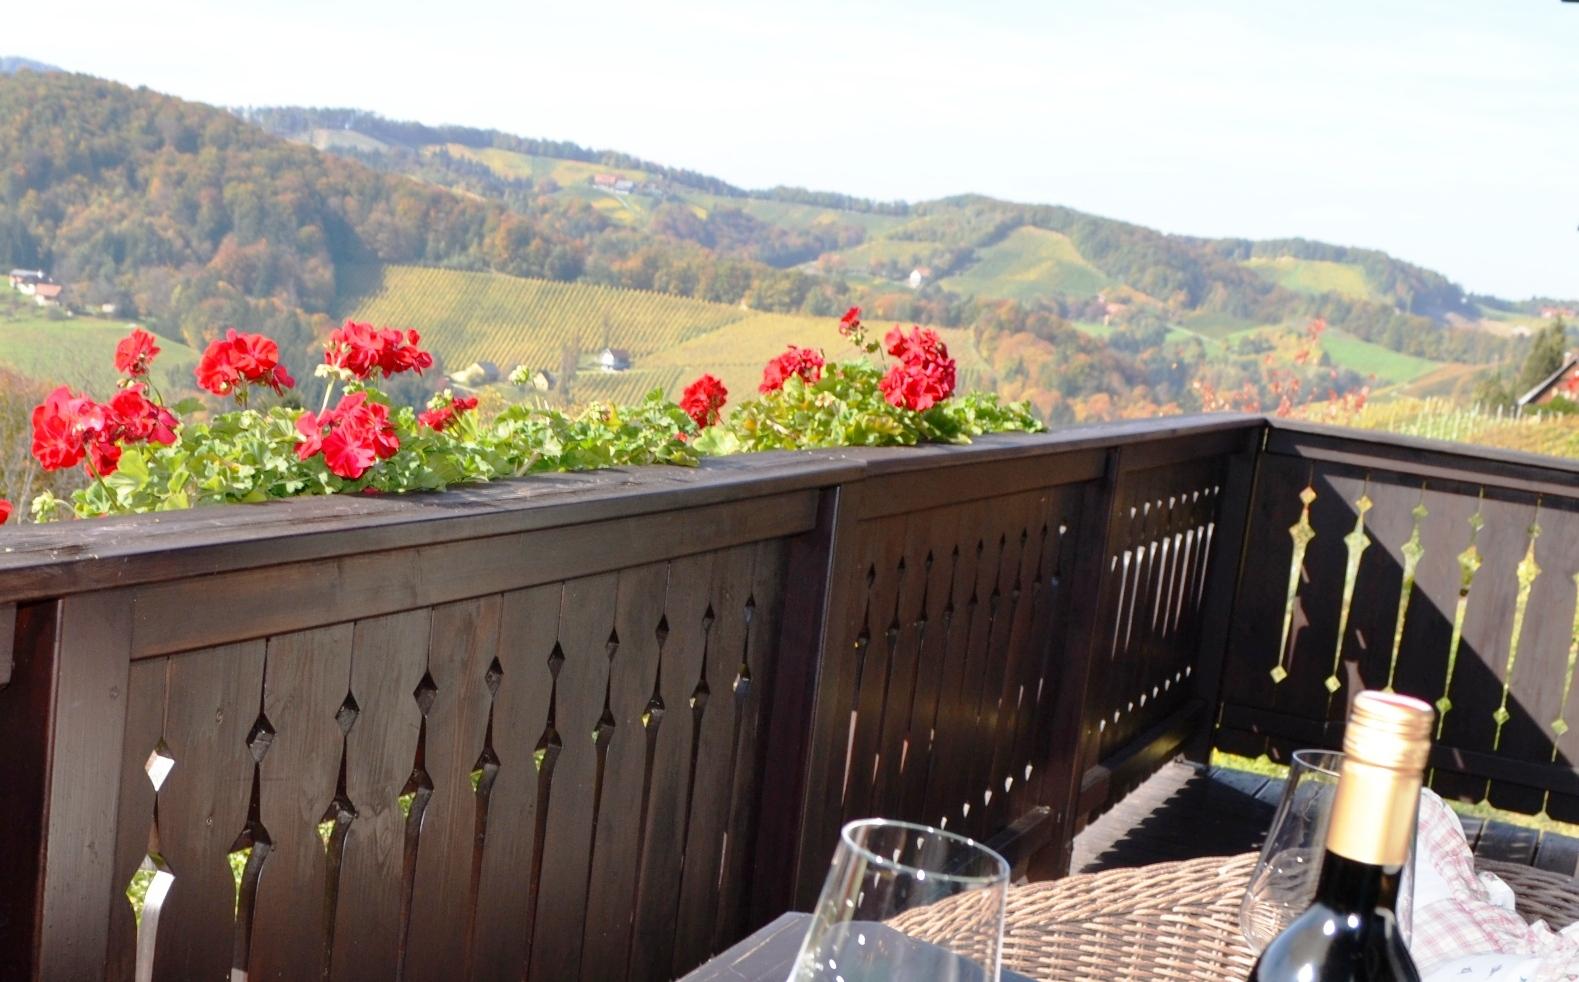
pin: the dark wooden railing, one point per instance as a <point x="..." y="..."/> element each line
<point x="600" y="725"/>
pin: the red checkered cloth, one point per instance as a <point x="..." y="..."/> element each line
<point x="1465" y="927"/>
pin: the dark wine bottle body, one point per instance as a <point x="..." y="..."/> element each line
<point x="1350" y="933"/>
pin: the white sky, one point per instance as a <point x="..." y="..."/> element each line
<point x="1443" y="131"/>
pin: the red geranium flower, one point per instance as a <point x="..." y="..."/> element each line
<point x="925" y="375"/>
<point x="703" y="399"/>
<point x="64" y="425"/>
<point x="444" y="416"/>
<point x="850" y="322"/>
<point x="359" y="348"/>
<point x="5" y="511"/>
<point x="135" y="353"/>
<point x="805" y="362"/>
<point x="242" y="358"/>
<point x="352" y="436"/>
<point x="136" y="419"/>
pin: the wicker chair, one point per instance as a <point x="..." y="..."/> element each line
<point x="1180" y="920"/>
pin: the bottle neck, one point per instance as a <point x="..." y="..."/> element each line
<point x="1373" y="814"/>
<point x="1352" y="887"/>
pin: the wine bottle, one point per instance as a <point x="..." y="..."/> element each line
<point x="1350" y="931"/>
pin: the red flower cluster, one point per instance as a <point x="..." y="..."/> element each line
<point x="925" y="374"/>
<point x="352" y="436"/>
<point x="360" y="348"/>
<point x="5" y="511"/>
<point x="236" y="359"/>
<point x="703" y="400"/>
<point x="850" y="322"/>
<point x="135" y="353"/>
<point x="68" y="427"/>
<point x="445" y="416"/>
<point x="805" y="362"/>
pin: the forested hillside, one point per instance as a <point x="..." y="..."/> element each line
<point x="191" y="218"/>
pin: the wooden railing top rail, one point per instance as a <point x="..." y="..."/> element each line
<point x="77" y="557"/>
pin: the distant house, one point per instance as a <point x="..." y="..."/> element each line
<point x="109" y="309"/>
<point x="1567" y="313"/>
<point x="475" y="374"/>
<point x="615" y="360"/>
<point x="918" y="276"/>
<point x="47" y="294"/>
<point x="1563" y="382"/>
<point x="605" y="180"/>
<point x="24" y="281"/>
<point x="624" y="186"/>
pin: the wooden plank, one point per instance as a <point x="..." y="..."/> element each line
<point x="685" y="602"/>
<point x="990" y="548"/>
<point x="712" y="781"/>
<point x="465" y="640"/>
<point x="388" y="658"/>
<point x="1435" y="460"/>
<point x="948" y="788"/>
<point x="903" y="494"/>
<point x="883" y="575"/>
<point x="791" y="800"/>
<point x="1373" y="617"/>
<point x="930" y="629"/>
<point x="1507" y="843"/>
<point x="759" y="664"/>
<point x="49" y="560"/>
<point x="211" y="708"/>
<point x="1255" y="645"/>
<point x="7" y="639"/>
<point x="1546" y="635"/>
<point x="507" y="895"/>
<point x="1081" y="643"/>
<point x="1028" y="754"/>
<point x="145" y="706"/>
<point x="370" y="584"/>
<point x="633" y="675"/>
<point x="580" y="687"/>
<point x="305" y="681"/>
<point x="1558" y="854"/>
<point x="1482" y="659"/>
<point x="27" y="709"/>
<point x="87" y="724"/>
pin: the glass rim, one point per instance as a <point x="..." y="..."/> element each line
<point x="889" y="823"/>
<point x="1306" y="758"/>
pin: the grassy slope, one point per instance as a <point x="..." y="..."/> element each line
<point x="509" y="320"/>
<point x="1029" y="263"/>
<point x="1314" y="276"/>
<point x="1348" y="351"/>
<point x="737" y="352"/>
<point x="512" y="321"/>
<point x="80" y="352"/>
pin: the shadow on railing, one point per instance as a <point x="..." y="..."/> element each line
<point x="601" y="725"/>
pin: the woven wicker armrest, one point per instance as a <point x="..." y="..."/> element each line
<point x="1180" y="920"/>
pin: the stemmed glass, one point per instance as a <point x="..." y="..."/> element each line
<point x="906" y="901"/>
<point x="1283" y="883"/>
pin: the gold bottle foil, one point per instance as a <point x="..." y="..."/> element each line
<point x="1384" y="752"/>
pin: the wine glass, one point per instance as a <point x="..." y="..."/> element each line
<point x="906" y="901"/>
<point x="1284" y="881"/>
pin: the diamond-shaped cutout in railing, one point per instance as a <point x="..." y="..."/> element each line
<point x="1501" y="715"/>
<point x="1443" y="705"/>
<point x="347" y="714"/>
<point x="1333" y="683"/>
<point x="1278" y="674"/>
<point x="1559" y="727"/>
<point x="159" y="765"/>
<point x="261" y="737"/>
<point x="494" y="677"/>
<point x="426" y="691"/>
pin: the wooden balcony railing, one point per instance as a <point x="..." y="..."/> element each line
<point x="601" y="725"/>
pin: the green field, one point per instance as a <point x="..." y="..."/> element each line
<point x="1347" y="351"/>
<point x="1029" y="263"/>
<point x="80" y="352"/>
<point x="510" y="320"/>
<point x="1314" y="276"/>
<point x="737" y="351"/>
<point x="1217" y="326"/>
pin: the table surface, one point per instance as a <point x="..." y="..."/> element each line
<point x="769" y="954"/>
